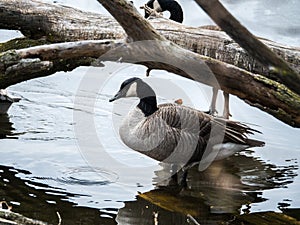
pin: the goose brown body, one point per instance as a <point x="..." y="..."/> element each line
<point x="178" y="134"/>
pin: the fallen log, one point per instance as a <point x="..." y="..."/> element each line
<point x="255" y="89"/>
<point x="57" y="23"/>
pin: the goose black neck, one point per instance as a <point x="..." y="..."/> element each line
<point x="148" y="105"/>
<point x="174" y="8"/>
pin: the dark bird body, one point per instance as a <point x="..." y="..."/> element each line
<point x="172" y="6"/>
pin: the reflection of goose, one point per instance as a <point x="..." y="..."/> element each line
<point x="178" y="134"/>
<point x="214" y="196"/>
<point x="172" y="6"/>
<point x="6" y="128"/>
<point x="6" y="101"/>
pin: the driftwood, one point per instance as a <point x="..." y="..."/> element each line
<point x="257" y="90"/>
<point x="8" y="217"/>
<point x="57" y="23"/>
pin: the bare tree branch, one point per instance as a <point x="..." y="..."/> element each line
<point x="282" y="72"/>
<point x="131" y="20"/>
<point x="257" y="90"/>
<point x="57" y="23"/>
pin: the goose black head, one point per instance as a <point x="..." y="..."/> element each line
<point x="134" y="87"/>
<point x="172" y="6"/>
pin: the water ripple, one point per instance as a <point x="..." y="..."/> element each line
<point x="86" y="176"/>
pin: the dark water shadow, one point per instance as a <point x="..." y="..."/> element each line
<point x="6" y="127"/>
<point x="42" y="202"/>
<point x="217" y="195"/>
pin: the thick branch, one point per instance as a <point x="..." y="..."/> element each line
<point x="59" y="23"/>
<point x="224" y="19"/>
<point x="135" y="27"/>
<point x="268" y="95"/>
<point x="261" y="92"/>
<point x="36" y="19"/>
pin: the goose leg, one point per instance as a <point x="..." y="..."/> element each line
<point x="179" y="177"/>
<point x="226" y="112"/>
<point x="212" y="109"/>
<point x="182" y="181"/>
<point x="174" y="171"/>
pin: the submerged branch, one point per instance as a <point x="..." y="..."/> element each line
<point x="8" y="217"/>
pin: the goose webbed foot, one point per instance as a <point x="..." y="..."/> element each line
<point x="226" y="115"/>
<point x="212" y="112"/>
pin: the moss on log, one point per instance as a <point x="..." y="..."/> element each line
<point x="19" y="43"/>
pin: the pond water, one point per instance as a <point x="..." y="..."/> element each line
<point x="61" y="152"/>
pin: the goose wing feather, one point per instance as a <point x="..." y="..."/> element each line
<point x="180" y="134"/>
<point x="191" y="121"/>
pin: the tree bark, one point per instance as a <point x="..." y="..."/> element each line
<point x="39" y="61"/>
<point x="57" y="23"/>
<point x="280" y="70"/>
<point x="257" y="90"/>
<point x="8" y="217"/>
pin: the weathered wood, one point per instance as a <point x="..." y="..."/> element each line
<point x="135" y="27"/>
<point x="8" y="217"/>
<point x="257" y="90"/>
<point x="241" y="88"/>
<point x="14" y="69"/>
<point x="58" y="23"/>
<point x="279" y="71"/>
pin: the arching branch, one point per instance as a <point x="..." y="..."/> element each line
<point x="255" y="89"/>
<point x="280" y="70"/>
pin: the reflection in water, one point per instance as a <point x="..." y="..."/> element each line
<point x="84" y="176"/>
<point x="218" y="194"/>
<point x="228" y="187"/>
<point x="41" y="202"/>
<point x="225" y="189"/>
<point x="6" y="127"/>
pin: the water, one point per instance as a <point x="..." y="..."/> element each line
<point x="49" y="165"/>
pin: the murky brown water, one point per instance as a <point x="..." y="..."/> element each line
<point x="44" y="169"/>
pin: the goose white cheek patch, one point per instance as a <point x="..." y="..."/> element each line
<point x="131" y="92"/>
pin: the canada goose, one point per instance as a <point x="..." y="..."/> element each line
<point x="178" y="134"/>
<point x="172" y="6"/>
